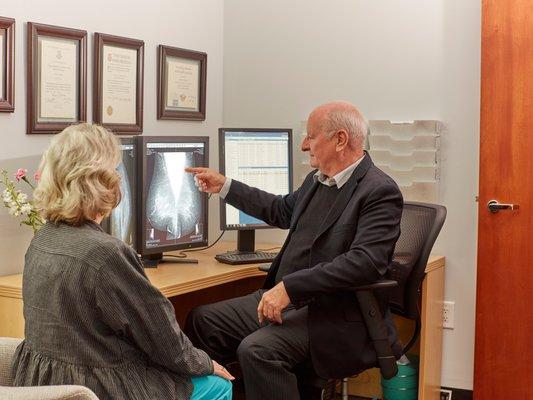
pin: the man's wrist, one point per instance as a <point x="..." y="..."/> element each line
<point x="224" y="190"/>
<point x="297" y="297"/>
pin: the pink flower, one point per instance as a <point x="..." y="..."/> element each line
<point x="21" y="173"/>
<point x="37" y="176"/>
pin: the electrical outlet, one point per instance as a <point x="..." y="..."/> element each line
<point x="448" y="314"/>
<point x="445" y="394"/>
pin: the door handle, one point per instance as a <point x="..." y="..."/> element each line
<point x="494" y="206"/>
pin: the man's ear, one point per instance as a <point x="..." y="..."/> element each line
<point x="342" y="139"/>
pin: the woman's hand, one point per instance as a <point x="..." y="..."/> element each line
<point x="219" y="370"/>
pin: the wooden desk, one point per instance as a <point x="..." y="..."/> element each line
<point x="186" y="285"/>
<point x="189" y="285"/>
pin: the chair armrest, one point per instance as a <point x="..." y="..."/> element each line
<point x="60" y="392"/>
<point x="383" y="284"/>
<point x="264" y="267"/>
<point x="7" y="349"/>
<point x="376" y="327"/>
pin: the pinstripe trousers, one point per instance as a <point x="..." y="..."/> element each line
<point x="267" y="353"/>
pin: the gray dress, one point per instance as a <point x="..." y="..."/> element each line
<point x="92" y="318"/>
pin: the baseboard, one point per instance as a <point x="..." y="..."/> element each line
<point x="460" y="394"/>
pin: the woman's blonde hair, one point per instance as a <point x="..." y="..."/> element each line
<point x="78" y="177"/>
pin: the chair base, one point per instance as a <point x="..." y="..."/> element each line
<point x="322" y="389"/>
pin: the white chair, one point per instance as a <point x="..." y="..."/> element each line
<point x="8" y="392"/>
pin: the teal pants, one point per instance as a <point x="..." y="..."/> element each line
<point x="211" y="387"/>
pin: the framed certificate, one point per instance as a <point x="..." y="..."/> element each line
<point x="57" y="78"/>
<point x="118" y="83"/>
<point x="7" y="64"/>
<point x="181" y="84"/>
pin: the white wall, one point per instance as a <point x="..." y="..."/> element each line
<point x="399" y="60"/>
<point x="189" y="24"/>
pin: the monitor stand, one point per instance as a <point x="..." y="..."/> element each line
<point x="246" y="241"/>
<point x="245" y="244"/>
<point x="153" y="260"/>
<point x="245" y="253"/>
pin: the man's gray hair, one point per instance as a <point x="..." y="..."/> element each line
<point x="349" y="120"/>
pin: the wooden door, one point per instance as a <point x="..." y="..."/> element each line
<point x="504" y="312"/>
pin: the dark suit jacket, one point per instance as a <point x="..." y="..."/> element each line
<point x="354" y="246"/>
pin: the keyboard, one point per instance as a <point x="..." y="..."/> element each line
<point x="233" y="257"/>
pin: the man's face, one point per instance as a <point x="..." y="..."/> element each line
<point x="322" y="150"/>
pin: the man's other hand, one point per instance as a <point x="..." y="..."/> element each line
<point x="207" y="179"/>
<point x="273" y="303"/>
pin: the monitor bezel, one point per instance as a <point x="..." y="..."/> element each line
<point x="143" y="141"/>
<point x="222" y="168"/>
<point x="124" y="140"/>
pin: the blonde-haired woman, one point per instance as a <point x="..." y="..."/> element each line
<point x="92" y="317"/>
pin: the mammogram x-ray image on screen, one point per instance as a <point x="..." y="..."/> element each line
<point x="122" y="219"/>
<point x="173" y="203"/>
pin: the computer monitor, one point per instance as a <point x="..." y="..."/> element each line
<point x="258" y="157"/>
<point x="172" y="214"/>
<point x="121" y="223"/>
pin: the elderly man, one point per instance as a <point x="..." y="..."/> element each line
<point x="343" y="224"/>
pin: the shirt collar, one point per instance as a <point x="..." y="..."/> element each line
<point x="341" y="178"/>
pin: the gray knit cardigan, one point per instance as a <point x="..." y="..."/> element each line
<point x="92" y="318"/>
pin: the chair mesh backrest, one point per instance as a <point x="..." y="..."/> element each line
<point x="420" y="226"/>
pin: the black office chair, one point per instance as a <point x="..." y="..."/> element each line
<point x="420" y="226"/>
